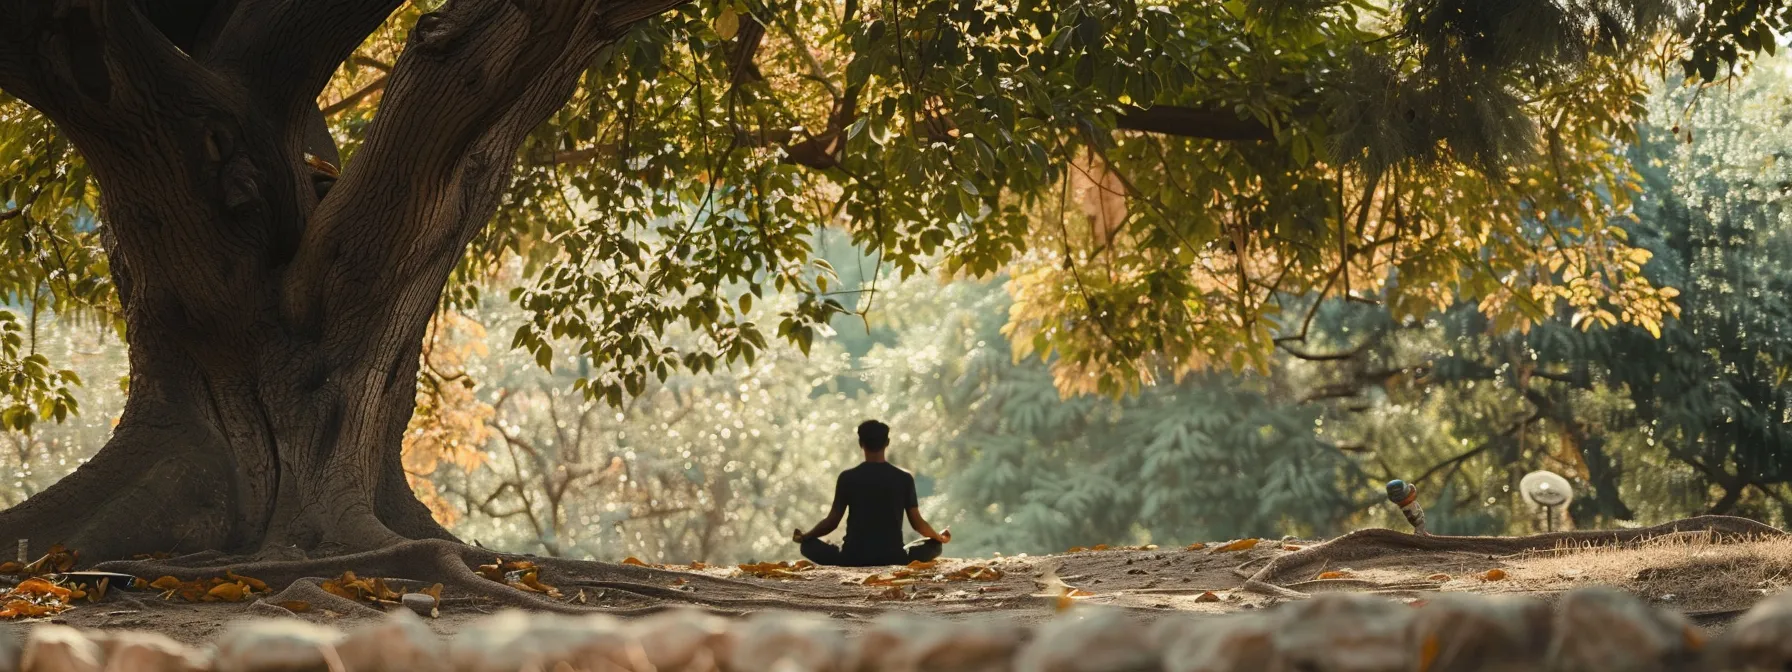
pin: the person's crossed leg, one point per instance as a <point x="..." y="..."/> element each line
<point x="824" y="553"/>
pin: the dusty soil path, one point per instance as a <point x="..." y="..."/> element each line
<point x="1711" y="568"/>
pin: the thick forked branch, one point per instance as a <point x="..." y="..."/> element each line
<point x="286" y="50"/>
<point x="474" y="80"/>
<point x="73" y="60"/>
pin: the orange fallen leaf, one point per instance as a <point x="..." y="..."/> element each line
<point x="165" y="583"/>
<point x="1341" y="574"/>
<point x="11" y="567"/>
<point x="1079" y="549"/>
<point x="1494" y="575"/>
<point x="226" y="592"/>
<point x="251" y="583"/>
<point x="1240" y="545"/>
<point x="632" y="560"/>
<point x="530" y="581"/>
<point x="1099" y="547"/>
<point x="295" y="606"/>
<point x="1207" y="597"/>
<point x="494" y="571"/>
<point x="42" y="588"/>
<point x="1194" y="546"/>
<point x="1290" y="547"/>
<point x="27" y="609"/>
<point x="701" y="566"/>
<point x="923" y="565"/>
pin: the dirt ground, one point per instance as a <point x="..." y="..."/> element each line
<point x="1711" y="577"/>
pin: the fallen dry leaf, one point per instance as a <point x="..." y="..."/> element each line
<point x="295" y="606"/>
<point x="1240" y="545"/>
<point x="1494" y="575"/>
<point x="975" y="573"/>
<point x="1079" y="549"/>
<point x="254" y="584"/>
<point x="775" y="570"/>
<point x="1195" y="546"/>
<point x="226" y="592"/>
<point x="1207" y="597"/>
<point x="494" y="571"/>
<point x="1340" y="574"/>
<point x="632" y="560"/>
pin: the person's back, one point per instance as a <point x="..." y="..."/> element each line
<point x="874" y="497"/>
<point x="877" y="494"/>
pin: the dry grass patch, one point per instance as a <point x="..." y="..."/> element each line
<point x="1693" y="572"/>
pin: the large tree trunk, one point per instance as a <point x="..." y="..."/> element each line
<point x="275" y="333"/>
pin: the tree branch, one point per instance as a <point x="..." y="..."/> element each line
<point x="1484" y="447"/>
<point x="350" y="100"/>
<point x="1192" y="122"/>
<point x="286" y="51"/>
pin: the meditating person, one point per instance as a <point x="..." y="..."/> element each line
<point x="873" y="496"/>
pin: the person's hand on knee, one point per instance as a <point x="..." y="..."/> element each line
<point x="945" y="536"/>
<point x="798" y="536"/>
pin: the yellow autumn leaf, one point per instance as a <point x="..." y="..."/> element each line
<point x="632" y="560"/>
<point x="1494" y="575"/>
<point x="1194" y="546"/>
<point x="728" y="24"/>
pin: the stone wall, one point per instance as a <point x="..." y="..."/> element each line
<point x="1587" y="630"/>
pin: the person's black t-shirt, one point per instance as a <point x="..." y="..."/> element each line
<point x="876" y="495"/>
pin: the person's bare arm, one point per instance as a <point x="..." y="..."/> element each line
<point x="823" y="528"/>
<point x="830" y="523"/>
<point x="920" y="524"/>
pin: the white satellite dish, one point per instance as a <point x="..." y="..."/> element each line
<point x="1548" y="490"/>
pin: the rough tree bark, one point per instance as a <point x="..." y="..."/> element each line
<point x="274" y="334"/>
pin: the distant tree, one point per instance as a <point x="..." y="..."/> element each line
<point x="1024" y="470"/>
<point x="1693" y="419"/>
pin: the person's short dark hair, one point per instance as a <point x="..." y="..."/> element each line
<point x="874" y="435"/>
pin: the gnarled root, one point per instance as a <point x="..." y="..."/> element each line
<point x="606" y="588"/>
<point x="1376" y="543"/>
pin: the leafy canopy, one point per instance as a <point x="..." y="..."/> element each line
<point x="1158" y="176"/>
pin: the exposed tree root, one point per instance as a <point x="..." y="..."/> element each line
<point x="428" y="561"/>
<point x="1376" y="543"/>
